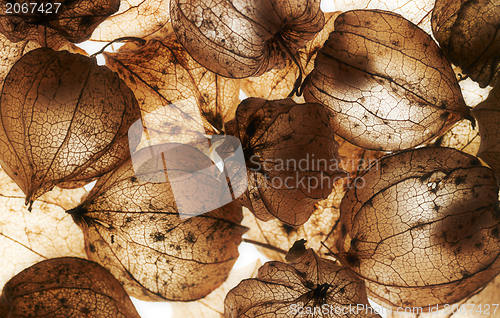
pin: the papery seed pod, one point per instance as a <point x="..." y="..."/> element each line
<point x="424" y="229"/>
<point x="133" y="226"/>
<point x="63" y="118"/>
<point x="65" y="287"/>
<point x="467" y="31"/>
<point x="278" y="83"/>
<point x="308" y="286"/>
<point x="180" y="100"/>
<point x="387" y="82"/>
<point x="28" y="237"/>
<point x="291" y="156"/>
<point x="239" y="39"/>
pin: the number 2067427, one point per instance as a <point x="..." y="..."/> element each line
<point x="32" y="8"/>
<point x="463" y="309"/>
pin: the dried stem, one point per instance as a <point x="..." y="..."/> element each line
<point x="298" y="81"/>
<point x="122" y="39"/>
<point x="265" y="245"/>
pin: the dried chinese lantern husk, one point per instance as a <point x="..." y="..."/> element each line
<point x="132" y="227"/>
<point x="180" y="100"/>
<point x="321" y="228"/>
<point x="387" y="82"/>
<point x="238" y="39"/>
<point x="278" y="83"/>
<point x="64" y="119"/>
<point x="65" y="287"/>
<point x="279" y="138"/>
<point x="467" y="32"/>
<point x="307" y="281"/>
<point x="424" y="229"/>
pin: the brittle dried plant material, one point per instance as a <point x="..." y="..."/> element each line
<point x="478" y="305"/>
<point x="135" y="18"/>
<point x="71" y="20"/>
<point x="312" y="285"/>
<point x="425" y="228"/>
<point x="487" y="114"/>
<point x="212" y="306"/>
<point x="317" y="229"/>
<point x="66" y="287"/>
<point x="63" y="118"/>
<point x="45" y="232"/>
<point x="387" y="82"/>
<point x="239" y="39"/>
<point x="416" y="11"/>
<point x="278" y="83"/>
<point x="132" y="227"/>
<point x="462" y="136"/>
<point x="180" y="100"/>
<point x="321" y="227"/>
<point x="10" y="53"/>
<point x="467" y="32"/>
<point x="291" y="156"/>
